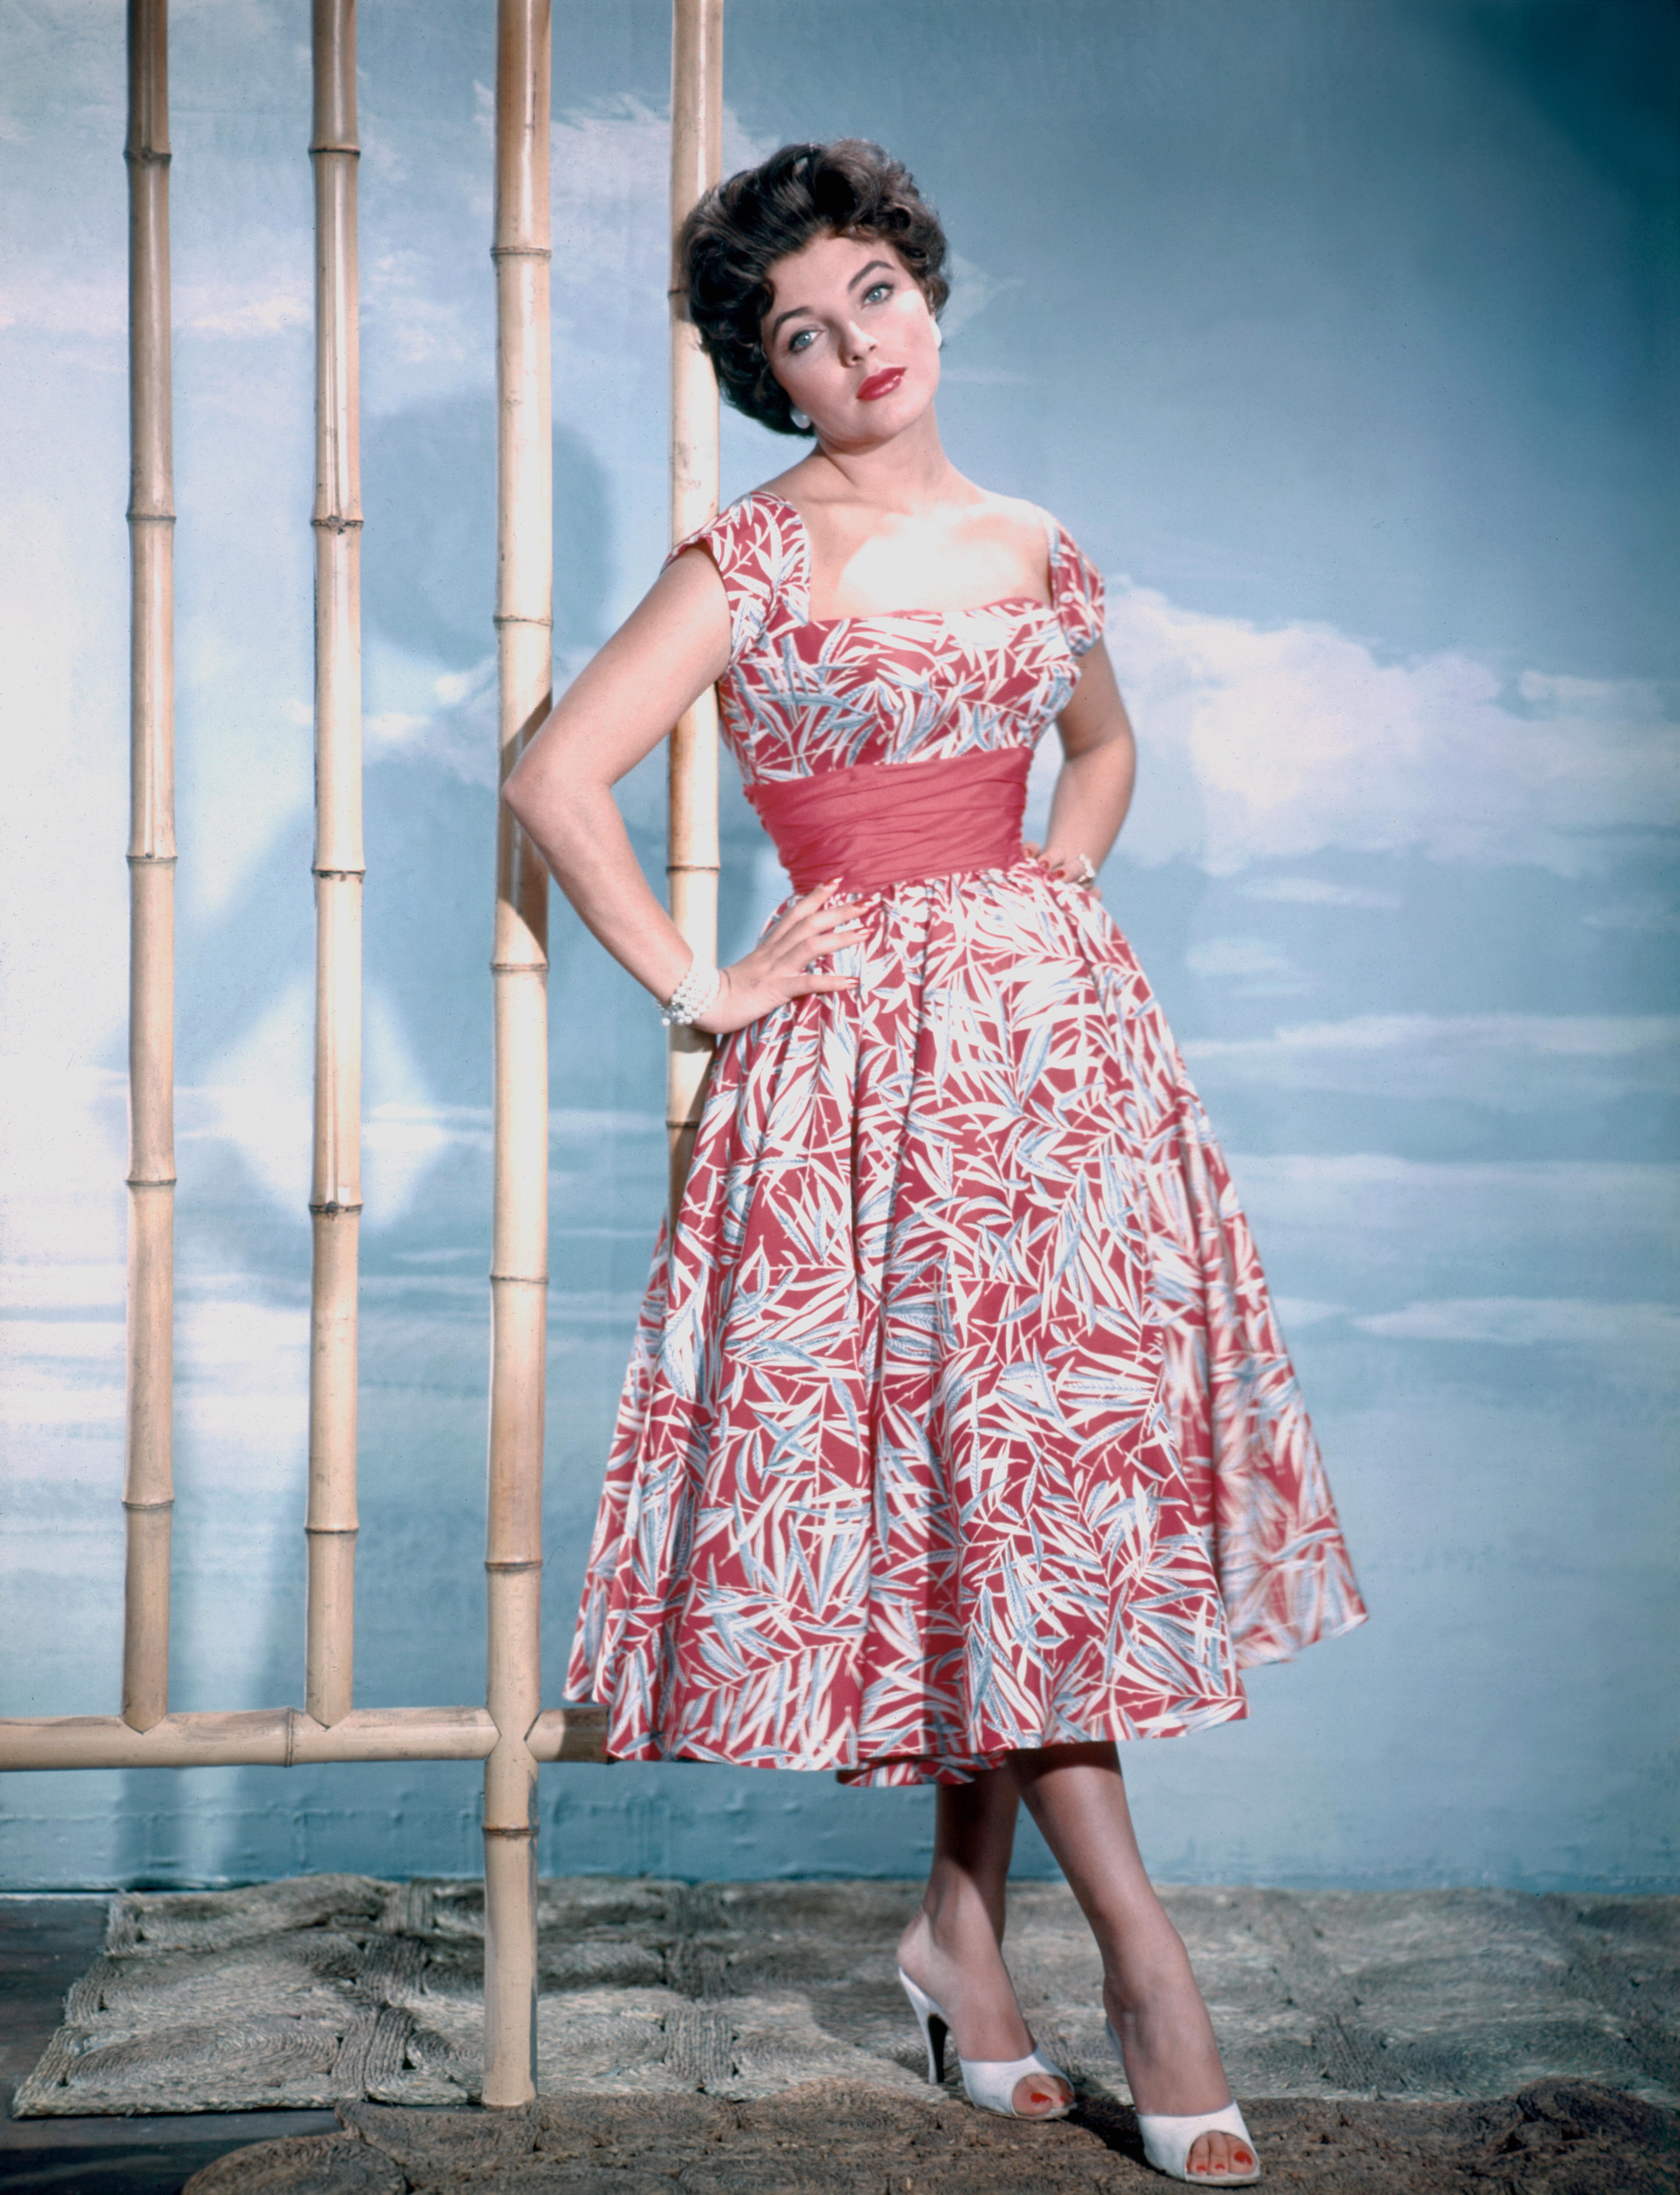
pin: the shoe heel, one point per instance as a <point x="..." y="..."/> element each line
<point x="987" y="2082"/>
<point x="933" y="2025"/>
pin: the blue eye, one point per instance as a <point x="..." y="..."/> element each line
<point x="806" y="335"/>
<point x="877" y="290"/>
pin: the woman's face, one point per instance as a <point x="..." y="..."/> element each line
<point x="849" y="336"/>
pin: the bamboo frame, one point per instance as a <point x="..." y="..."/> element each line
<point x="148" y="1484"/>
<point x="692" y="859"/>
<point x="335" y="1195"/>
<point x="519" y="962"/>
<point x="285" y="1738"/>
<point x="511" y="1733"/>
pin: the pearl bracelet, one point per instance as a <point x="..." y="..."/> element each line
<point x="694" y="996"/>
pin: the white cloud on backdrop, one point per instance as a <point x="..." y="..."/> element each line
<point x="972" y="290"/>
<point x="1370" y="1234"/>
<point x="1316" y="891"/>
<point x="419" y="323"/>
<point x="259" y="286"/>
<point x="1559" y="1322"/>
<point x="611" y="164"/>
<point x="446" y="718"/>
<point x="1263" y="745"/>
<point x="261" y="1105"/>
<point x="1261" y="967"/>
<point x="1425" y="1251"/>
<point x="1513" y="1062"/>
<point x="1649" y="913"/>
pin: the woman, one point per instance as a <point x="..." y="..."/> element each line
<point x="959" y="1440"/>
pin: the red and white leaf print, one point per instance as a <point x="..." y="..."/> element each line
<point x="957" y="1420"/>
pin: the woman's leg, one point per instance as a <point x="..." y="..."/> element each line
<point x="1075" y="1795"/>
<point x="953" y="1948"/>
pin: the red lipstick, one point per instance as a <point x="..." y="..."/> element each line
<point x="881" y="384"/>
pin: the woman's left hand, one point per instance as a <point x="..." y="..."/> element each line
<point x="1071" y="868"/>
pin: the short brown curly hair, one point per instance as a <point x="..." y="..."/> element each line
<point x="739" y="231"/>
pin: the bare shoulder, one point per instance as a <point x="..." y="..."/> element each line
<point x="1026" y="520"/>
<point x="1008" y="525"/>
<point x="798" y="484"/>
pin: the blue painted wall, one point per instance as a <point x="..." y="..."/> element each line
<point x="1343" y="338"/>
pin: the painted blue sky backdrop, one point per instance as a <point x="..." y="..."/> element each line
<point x="1345" y="339"/>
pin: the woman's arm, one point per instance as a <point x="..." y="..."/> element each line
<point x="674" y="644"/>
<point x="1093" y="789"/>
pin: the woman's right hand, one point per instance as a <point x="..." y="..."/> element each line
<point x="779" y="967"/>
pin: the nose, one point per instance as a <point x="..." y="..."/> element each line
<point x="858" y="344"/>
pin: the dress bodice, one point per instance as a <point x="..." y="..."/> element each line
<point x="802" y="696"/>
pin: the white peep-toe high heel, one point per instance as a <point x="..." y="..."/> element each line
<point x="1169" y="2138"/>
<point x="990" y="2083"/>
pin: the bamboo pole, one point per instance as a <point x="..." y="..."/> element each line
<point x="148" y="1487"/>
<point x="285" y="1738"/>
<point x="519" y="962"/>
<point x="693" y="860"/>
<point x="335" y="1195"/>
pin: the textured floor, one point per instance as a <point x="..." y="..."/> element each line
<point x="46" y="1941"/>
<point x="326" y="1988"/>
<point x="1559" y="2138"/>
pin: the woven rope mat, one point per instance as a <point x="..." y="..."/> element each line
<point x="327" y="1988"/>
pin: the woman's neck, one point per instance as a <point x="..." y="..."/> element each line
<point x="909" y="474"/>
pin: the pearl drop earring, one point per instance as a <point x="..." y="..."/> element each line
<point x="939" y="336"/>
<point x="800" y="420"/>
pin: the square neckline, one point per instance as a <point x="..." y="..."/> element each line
<point x="1053" y="537"/>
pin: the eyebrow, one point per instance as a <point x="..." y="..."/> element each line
<point x="794" y="311"/>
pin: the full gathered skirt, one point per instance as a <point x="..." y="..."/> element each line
<point x="957" y="1420"/>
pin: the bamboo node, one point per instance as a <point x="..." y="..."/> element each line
<point x="494" y="1829"/>
<point x="145" y="156"/>
<point x="509" y="617"/>
<point x="150" y="1181"/>
<point x="331" y="1531"/>
<point x="148" y="517"/>
<point x="335" y="524"/>
<point x="357" y="873"/>
<point x="521" y="251"/>
<point x="150" y="861"/>
<point x="334" y="1209"/>
<point x="354" y="151"/>
<point x="693" y="869"/>
<point x="519" y="1280"/>
<point x="490" y="1565"/>
<point x="167" y="1504"/>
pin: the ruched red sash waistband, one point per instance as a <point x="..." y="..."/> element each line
<point x="882" y="823"/>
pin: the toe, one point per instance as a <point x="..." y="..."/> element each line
<point x="1214" y="2153"/>
<point x="1041" y="2096"/>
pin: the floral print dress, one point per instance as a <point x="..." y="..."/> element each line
<point x="957" y="1419"/>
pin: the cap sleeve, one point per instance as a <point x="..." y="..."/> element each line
<point x="758" y="546"/>
<point x="1076" y="589"/>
